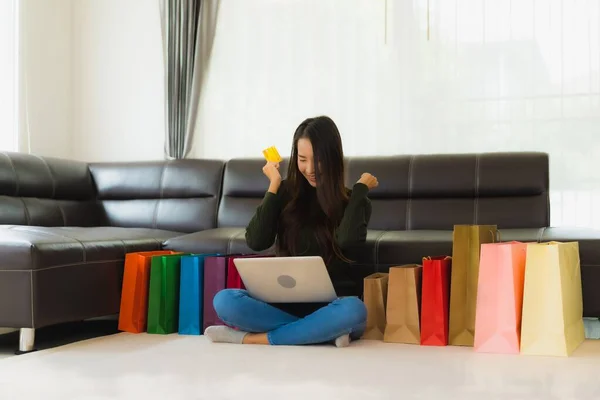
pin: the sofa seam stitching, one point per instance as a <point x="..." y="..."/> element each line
<point x="220" y="195"/>
<point x="60" y="266"/>
<point x="17" y="189"/>
<point x="12" y="166"/>
<point x="160" y="194"/>
<point x="409" y="201"/>
<point x="32" y="298"/>
<point x="62" y="213"/>
<point x="377" y="242"/>
<point x="541" y="235"/>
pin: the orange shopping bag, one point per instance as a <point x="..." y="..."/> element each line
<point x="500" y="297"/>
<point x="134" y="295"/>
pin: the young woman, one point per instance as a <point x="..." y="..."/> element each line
<point x="311" y="213"/>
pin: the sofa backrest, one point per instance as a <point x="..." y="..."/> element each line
<point x="46" y="192"/>
<point x="510" y="190"/>
<point x="244" y="186"/>
<point x="422" y="191"/>
<point x="179" y="195"/>
<point x="415" y="192"/>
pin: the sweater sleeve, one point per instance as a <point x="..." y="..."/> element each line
<point x="353" y="227"/>
<point x="262" y="228"/>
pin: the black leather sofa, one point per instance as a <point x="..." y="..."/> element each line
<point x="66" y="226"/>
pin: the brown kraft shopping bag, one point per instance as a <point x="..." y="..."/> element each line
<point x="403" y="305"/>
<point x="375" y="298"/>
<point x="466" y="247"/>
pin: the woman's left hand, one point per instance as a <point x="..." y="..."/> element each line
<point x="369" y="180"/>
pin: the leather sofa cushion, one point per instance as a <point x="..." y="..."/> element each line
<point x="179" y="195"/>
<point x="46" y="191"/>
<point x="421" y="192"/>
<point x="232" y="241"/>
<point x="381" y="247"/>
<point x="436" y="192"/>
<point x="25" y="175"/>
<point x="214" y="241"/>
<point x="34" y="248"/>
<point x="409" y="247"/>
<point x="244" y="187"/>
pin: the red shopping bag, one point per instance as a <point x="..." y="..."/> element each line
<point x="234" y="281"/>
<point x="435" y="299"/>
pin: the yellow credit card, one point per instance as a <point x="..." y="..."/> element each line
<point x="271" y="154"/>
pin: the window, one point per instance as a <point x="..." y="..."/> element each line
<point x="8" y="75"/>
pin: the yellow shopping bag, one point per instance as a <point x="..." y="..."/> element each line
<point x="552" y="300"/>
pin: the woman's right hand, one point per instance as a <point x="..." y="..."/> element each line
<point x="271" y="171"/>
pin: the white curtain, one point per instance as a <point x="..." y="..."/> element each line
<point x="416" y="76"/>
<point x="8" y="76"/>
<point x="515" y="75"/>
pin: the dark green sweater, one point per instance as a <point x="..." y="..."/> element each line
<point x="262" y="231"/>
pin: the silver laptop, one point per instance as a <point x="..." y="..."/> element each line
<point x="286" y="279"/>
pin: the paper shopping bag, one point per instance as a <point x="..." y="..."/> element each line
<point x="435" y="300"/>
<point x="403" y="305"/>
<point x="163" y="301"/>
<point x="215" y="280"/>
<point x="375" y="299"/>
<point x="234" y="280"/>
<point x="500" y="297"/>
<point x="191" y="294"/>
<point x="467" y="241"/>
<point x="552" y="300"/>
<point x="134" y="294"/>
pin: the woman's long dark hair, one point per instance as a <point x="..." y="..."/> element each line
<point x="330" y="189"/>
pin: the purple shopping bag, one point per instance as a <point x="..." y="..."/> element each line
<point x="215" y="279"/>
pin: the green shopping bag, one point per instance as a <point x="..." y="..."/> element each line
<point x="163" y="297"/>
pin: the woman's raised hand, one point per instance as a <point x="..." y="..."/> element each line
<point x="271" y="171"/>
<point x="369" y="180"/>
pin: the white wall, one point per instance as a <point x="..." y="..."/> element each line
<point x="45" y="77"/>
<point x="91" y="79"/>
<point x="8" y="74"/>
<point x="276" y="63"/>
<point x="117" y="80"/>
<point x="492" y="76"/>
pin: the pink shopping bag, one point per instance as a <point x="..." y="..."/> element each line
<point x="500" y="297"/>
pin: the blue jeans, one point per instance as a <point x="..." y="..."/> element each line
<point x="346" y="315"/>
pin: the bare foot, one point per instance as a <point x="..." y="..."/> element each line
<point x="256" y="338"/>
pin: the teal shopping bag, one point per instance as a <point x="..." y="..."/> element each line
<point x="191" y="294"/>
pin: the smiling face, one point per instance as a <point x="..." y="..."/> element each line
<point x="306" y="161"/>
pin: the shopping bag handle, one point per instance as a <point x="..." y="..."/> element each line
<point x="497" y="237"/>
<point x="429" y="258"/>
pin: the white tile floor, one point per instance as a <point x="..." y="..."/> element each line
<point x="126" y="366"/>
<point x="59" y="335"/>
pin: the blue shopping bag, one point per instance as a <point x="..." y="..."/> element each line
<point x="191" y="294"/>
